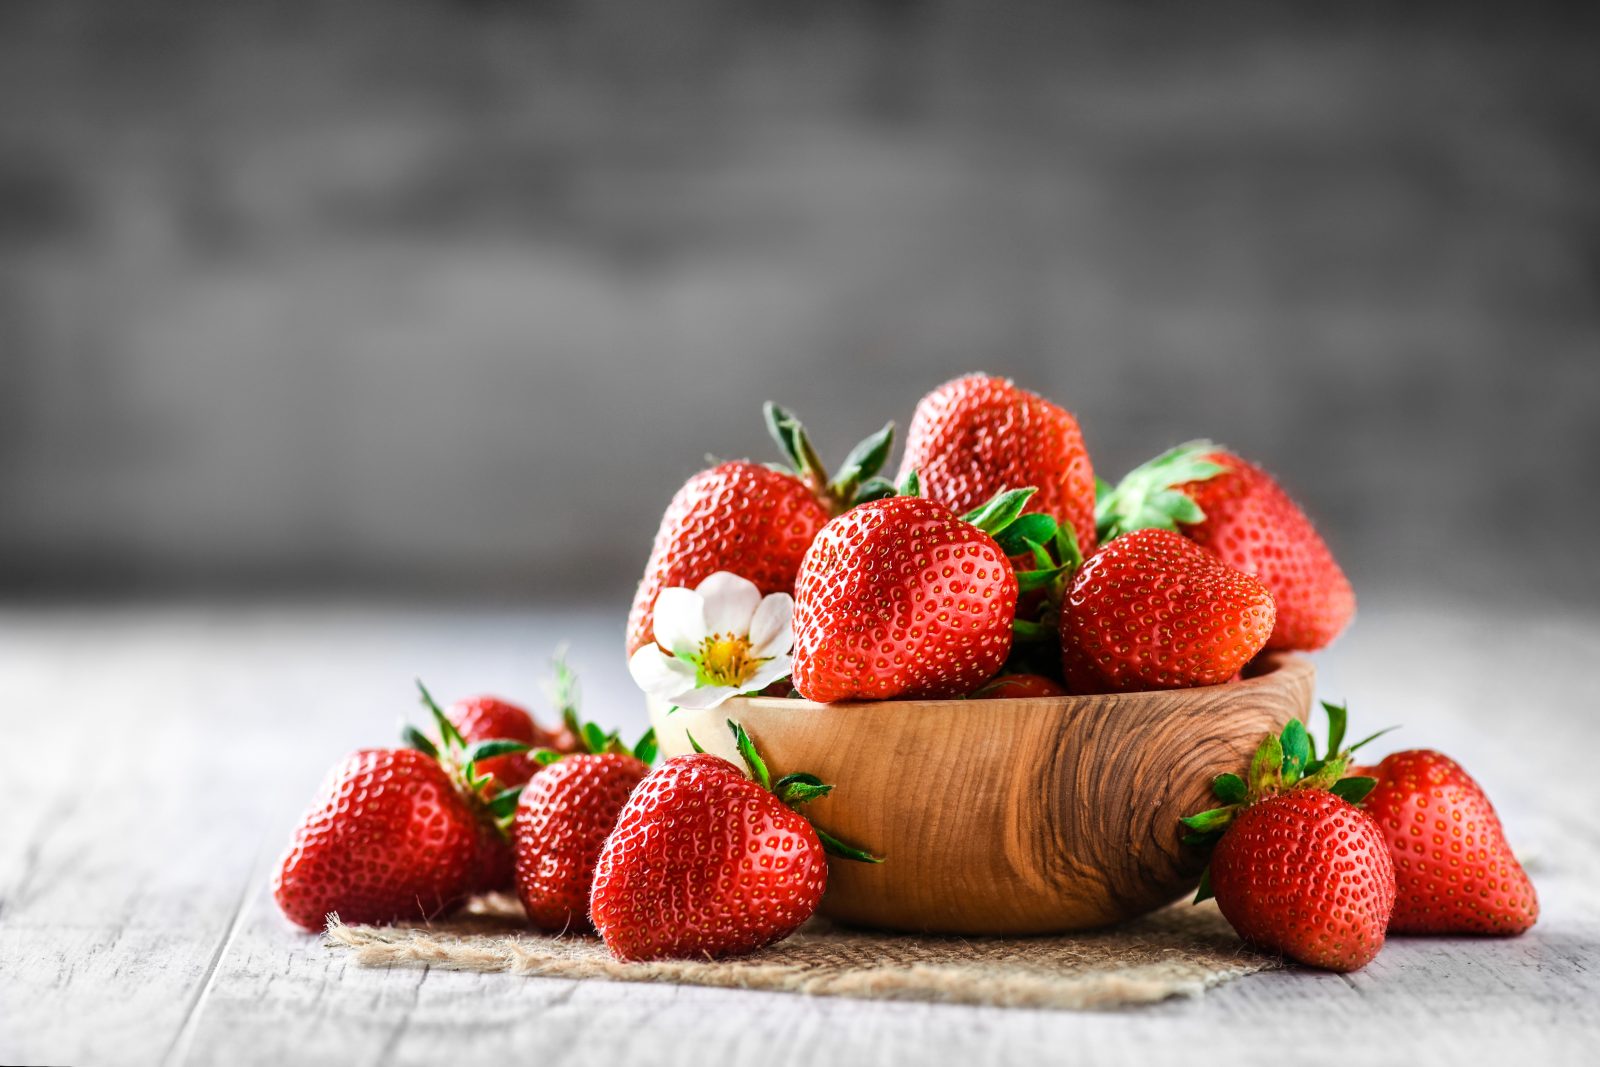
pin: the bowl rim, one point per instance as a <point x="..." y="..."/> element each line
<point x="1263" y="671"/>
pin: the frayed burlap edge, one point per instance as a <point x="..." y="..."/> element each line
<point x="1172" y="954"/>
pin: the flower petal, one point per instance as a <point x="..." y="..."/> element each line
<point x="772" y="629"/>
<point x="680" y="621"/>
<point x="769" y="672"/>
<point x="659" y="674"/>
<point x="730" y="601"/>
<point x="705" y="697"/>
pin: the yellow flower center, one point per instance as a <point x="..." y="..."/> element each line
<point x="725" y="660"/>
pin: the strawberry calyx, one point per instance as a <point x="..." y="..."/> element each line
<point x="857" y="480"/>
<point x="1051" y="545"/>
<point x="1283" y="762"/>
<point x="596" y="741"/>
<point x="460" y="758"/>
<point x="794" y="790"/>
<point x="1148" y="496"/>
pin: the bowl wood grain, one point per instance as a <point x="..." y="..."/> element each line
<point x="1020" y="816"/>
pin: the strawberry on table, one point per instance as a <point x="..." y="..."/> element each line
<point x="562" y="820"/>
<point x="900" y="598"/>
<point x="705" y="862"/>
<point x="488" y="718"/>
<point x="752" y="520"/>
<point x="975" y="436"/>
<point x="1152" y="610"/>
<point x="1296" y="867"/>
<point x="1238" y="512"/>
<point x="1454" y="871"/>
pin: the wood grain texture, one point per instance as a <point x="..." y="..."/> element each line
<point x="1025" y="816"/>
<point x="116" y="945"/>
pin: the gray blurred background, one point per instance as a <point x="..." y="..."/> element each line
<point x="447" y="298"/>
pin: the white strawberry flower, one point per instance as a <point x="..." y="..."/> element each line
<point x="715" y="641"/>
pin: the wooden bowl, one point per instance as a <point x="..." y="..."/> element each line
<point x="1022" y="816"/>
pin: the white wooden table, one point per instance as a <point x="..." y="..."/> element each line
<point x="156" y="758"/>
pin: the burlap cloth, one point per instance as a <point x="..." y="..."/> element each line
<point x="1180" y="951"/>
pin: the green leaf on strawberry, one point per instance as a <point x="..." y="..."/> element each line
<point x="1147" y="497"/>
<point x="856" y="481"/>
<point x="792" y="789"/>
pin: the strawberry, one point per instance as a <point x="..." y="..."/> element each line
<point x="1151" y="610"/>
<point x="975" y="436"/>
<point x="1238" y="512"/>
<point x="563" y="819"/>
<point x="900" y="598"/>
<point x="1296" y="867"/>
<point x="704" y="862"/>
<point x="1011" y="686"/>
<point x="390" y="837"/>
<point x="752" y="520"/>
<point x="487" y="718"/>
<point x="1453" y="870"/>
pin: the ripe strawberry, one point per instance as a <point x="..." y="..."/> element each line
<point x="1152" y="610"/>
<point x="1238" y="512"/>
<point x="752" y="520"/>
<point x="1011" y="686"/>
<point x="1454" y="872"/>
<point x="1296" y="868"/>
<point x="487" y="718"/>
<point x="975" y="436"/>
<point x="563" y="819"/>
<point x="900" y="598"/>
<point x="1306" y="874"/>
<point x="705" y="862"/>
<point x="390" y="837"/>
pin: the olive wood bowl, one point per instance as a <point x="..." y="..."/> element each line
<point x="1017" y="816"/>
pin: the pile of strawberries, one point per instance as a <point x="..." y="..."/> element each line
<point x="995" y="565"/>
<point x="997" y="550"/>
<point x="696" y="858"/>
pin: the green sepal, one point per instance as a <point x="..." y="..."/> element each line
<point x="447" y="729"/>
<point x="1296" y="745"/>
<point x="799" y="793"/>
<point x="781" y="425"/>
<point x="1033" y="529"/>
<point x="545" y="756"/>
<point x="1229" y="788"/>
<point x="415" y="738"/>
<point x="1266" y="768"/>
<point x="1000" y="510"/>
<point x="1027" y="581"/>
<point x="504" y="803"/>
<point x="595" y="739"/>
<point x="692" y="742"/>
<point x="1338" y="720"/>
<point x="1353" y="790"/>
<point x="1202" y="840"/>
<point x="1207" y="821"/>
<point x="483" y="750"/>
<point x="864" y="461"/>
<point x="873" y="489"/>
<point x="834" y="847"/>
<point x="752" y="759"/>
<point x="1371" y="738"/>
<point x="1148" y="497"/>
<point x="1203" y="892"/>
<point x="647" y="748"/>
<point x="1028" y="630"/>
<point x="910" y="485"/>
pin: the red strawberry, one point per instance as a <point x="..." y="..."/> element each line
<point x="390" y="837"/>
<point x="487" y="718"/>
<point x="705" y="862"/>
<point x="1238" y="512"/>
<point x="975" y="436"/>
<point x="900" y="598"/>
<point x="1306" y="874"/>
<point x="1454" y="871"/>
<point x="751" y="520"/>
<point x="1010" y="686"/>
<point x="562" y="821"/>
<point x="1151" y="610"/>
<point x="1296" y="868"/>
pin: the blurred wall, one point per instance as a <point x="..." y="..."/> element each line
<point x="451" y="296"/>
